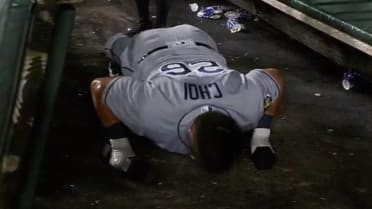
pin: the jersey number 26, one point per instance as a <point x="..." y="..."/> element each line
<point x="183" y="69"/>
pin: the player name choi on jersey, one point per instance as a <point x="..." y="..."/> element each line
<point x="202" y="91"/>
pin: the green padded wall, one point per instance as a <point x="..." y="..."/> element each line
<point x="14" y="21"/>
<point x="351" y="16"/>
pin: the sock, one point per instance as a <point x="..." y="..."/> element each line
<point x="117" y="131"/>
<point x="265" y="121"/>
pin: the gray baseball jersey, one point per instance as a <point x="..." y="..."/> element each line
<point x="176" y="75"/>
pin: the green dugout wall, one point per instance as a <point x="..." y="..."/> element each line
<point x="351" y="16"/>
<point x="340" y="30"/>
<point x="32" y="55"/>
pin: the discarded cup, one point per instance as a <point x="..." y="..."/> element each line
<point x="237" y="19"/>
<point x="240" y="14"/>
<point x="234" y="26"/>
<point x="232" y="14"/>
<point x="349" y="79"/>
<point x="194" y="7"/>
<point x="212" y="12"/>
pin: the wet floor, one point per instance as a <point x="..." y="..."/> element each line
<point x="323" y="135"/>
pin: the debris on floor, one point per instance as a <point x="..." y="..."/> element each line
<point x="236" y="18"/>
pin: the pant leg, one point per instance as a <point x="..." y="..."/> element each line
<point x="162" y="7"/>
<point x="143" y="13"/>
<point x="114" y="48"/>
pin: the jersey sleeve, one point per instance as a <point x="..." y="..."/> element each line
<point x="124" y="97"/>
<point x="266" y="83"/>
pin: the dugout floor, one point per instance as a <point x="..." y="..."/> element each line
<point x="323" y="137"/>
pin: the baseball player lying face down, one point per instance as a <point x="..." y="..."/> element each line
<point x="176" y="89"/>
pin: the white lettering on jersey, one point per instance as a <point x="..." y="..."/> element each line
<point x="205" y="91"/>
<point x="204" y="68"/>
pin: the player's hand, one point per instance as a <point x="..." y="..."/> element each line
<point x="263" y="158"/>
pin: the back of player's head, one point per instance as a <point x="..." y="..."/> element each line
<point x="217" y="141"/>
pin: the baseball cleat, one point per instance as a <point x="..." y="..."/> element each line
<point x="263" y="158"/>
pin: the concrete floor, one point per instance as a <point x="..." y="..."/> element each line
<point x="323" y="137"/>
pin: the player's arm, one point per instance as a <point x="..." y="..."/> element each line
<point x="97" y="88"/>
<point x="122" y="155"/>
<point x="273" y="110"/>
<point x="262" y="153"/>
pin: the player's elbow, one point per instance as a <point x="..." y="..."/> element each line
<point x="97" y="86"/>
<point x="277" y="75"/>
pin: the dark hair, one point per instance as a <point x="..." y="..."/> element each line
<point x="217" y="141"/>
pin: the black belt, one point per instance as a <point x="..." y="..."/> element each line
<point x="166" y="47"/>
